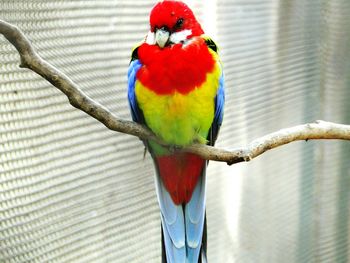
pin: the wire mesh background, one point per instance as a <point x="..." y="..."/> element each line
<point x="72" y="191"/>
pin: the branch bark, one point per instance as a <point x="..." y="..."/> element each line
<point x="78" y="99"/>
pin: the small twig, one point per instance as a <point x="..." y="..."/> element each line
<point x="77" y="98"/>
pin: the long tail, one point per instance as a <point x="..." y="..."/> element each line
<point x="183" y="225"/>
<point x="203" y="252"/>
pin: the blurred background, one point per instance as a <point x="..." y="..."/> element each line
<point x="73" y="191"/>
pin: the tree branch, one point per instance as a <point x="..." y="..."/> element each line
<point x="78" y="99"/>
<point x="310" y="131"/>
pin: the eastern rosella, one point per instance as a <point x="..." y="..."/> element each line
<point x="176" y="89"/>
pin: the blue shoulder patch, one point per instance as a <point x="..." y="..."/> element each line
<point x="136" y="113"/>
<point x="219" y="112"/>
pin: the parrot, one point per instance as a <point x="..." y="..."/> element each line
<point x="176" y="89"/>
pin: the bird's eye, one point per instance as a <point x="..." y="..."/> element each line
<point x="179" y="23"/>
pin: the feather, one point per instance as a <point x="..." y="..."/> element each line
<point x="182" y="223"/>
<point x="219" y="112"/>
<point x="194" y="219"/>
<point x="172" y="218"/>
<point x="136" y="113"/>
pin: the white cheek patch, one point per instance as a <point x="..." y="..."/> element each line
<point x="151" y="38"/>
<point x="180" y="36"/>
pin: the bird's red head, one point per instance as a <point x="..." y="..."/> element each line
<point x="173" y="22"/>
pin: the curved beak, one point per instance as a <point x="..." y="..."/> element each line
<point x="162" y="37"/>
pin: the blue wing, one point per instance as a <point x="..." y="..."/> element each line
<point x="219" y="99"/>
<point x="136" y="112"/>
<point x="219" y="112"/>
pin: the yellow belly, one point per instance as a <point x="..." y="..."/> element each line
<point x="177" y="118"/>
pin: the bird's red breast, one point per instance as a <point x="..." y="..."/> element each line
<point x="177" y="68"/>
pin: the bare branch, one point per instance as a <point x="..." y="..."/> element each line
<point x="310" y="131"/>
<point x="77" y="98"/>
